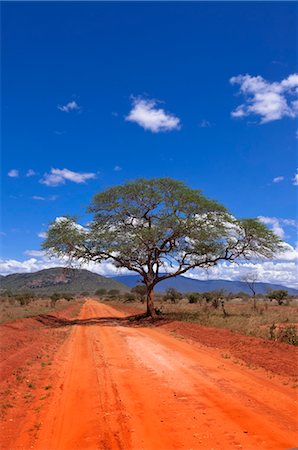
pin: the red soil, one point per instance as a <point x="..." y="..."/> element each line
<point x="114" y="386"/>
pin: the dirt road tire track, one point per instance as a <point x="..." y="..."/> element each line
<point x="136" y="388"/>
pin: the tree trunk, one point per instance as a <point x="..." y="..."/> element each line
<point x="254" y="302"/>
<point x="150" y="303"/>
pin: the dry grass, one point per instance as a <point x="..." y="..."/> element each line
<point x="10" y="309"/>
<point x="266" y="322"/>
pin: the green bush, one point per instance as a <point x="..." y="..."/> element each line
<point x="129" y="297"/>
<point x="100" y="292"/>
<point x="289" y="335"/>
<point x="279" y="295"/>
<point x="114" y="292"/>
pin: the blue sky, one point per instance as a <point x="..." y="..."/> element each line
<point x="95" y="94"/>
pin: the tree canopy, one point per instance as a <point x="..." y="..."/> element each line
<point x="159" y="228"/>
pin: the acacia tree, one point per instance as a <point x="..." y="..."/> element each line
<point x="159" y="228"/>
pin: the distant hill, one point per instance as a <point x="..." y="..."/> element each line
<point x="59" y="279"/>
<point x="184" y="284"/>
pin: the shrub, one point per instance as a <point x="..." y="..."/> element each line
<point x="289" y="335"/>
<point x="173" y="295"/>
<point x="279" y="295"/>
<point x="84" y="294"/>
<point x="194" y="297"/>
<point x="129" y="297"/>
<point x="100" y="292"/>
<point x="140" y="291"/>
<point x="114" y="292"/>
<point x="25" y="298"/>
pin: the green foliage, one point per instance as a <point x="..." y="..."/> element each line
<point x="147" y="224"/>
<point x="113" y="292"/>
<point x="129" y="297"/>
<point x="54" y="298"/>
<point x="84" y="294"/>
<point x="279" y="295"/>
<point x="215" y="298"/>
<point x="194" y="297"/>
<point x="289" y="335"/>
<point x="100" y="292"/>
<point x="140" y="291"/>
<point x="25" y="298"/>
<point x="242" y="295"/>
<point x="173" y="295"/>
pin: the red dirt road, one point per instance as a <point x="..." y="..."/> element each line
<point x="120" y="387"/>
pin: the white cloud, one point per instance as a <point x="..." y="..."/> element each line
<point x="289" y="222"/>
<point x="70" y="106"/>
<point x="275" y="224"/>
<point x="30" y="173"/>
<point x="289" y="253"/>
<point x="43" y="234"/>
<point x="278" y="179"/>
<point x="295" y="179"/>
<point x="56" y="177"/>
<point x="269" y="101"/>
<point x="34" y="253"/>
<point x="117" y="168"/>
<point x="146" y="114"/>
<point x="42" y="261"/>
<point x="2" y="233"/>
<point x="38" y="197"/>
<point x="284" y="273"/>
<point x="50" y="198"/>
<point x="13" y="173"/>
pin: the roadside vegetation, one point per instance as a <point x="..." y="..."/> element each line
<point x="264" y="316"/>
<point x="21" y="305"/>
<point x="271" y="316"/>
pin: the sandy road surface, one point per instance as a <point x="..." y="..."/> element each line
<point x="122" y="387"/>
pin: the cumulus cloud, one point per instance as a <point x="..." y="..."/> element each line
<point x="146" y="114"/>
<point x="56" y="177"/>
<point x="30" y="173"/>
<point x="70" y="106"/>
<point x="295" y="179"/>
<point x="269" y="101"/>
<point x="278" y="179"/>
<point x="117" y="168"/>
<point x="275" y="225"/>
<point x="282" y="272"/>
<point x="41" y="261"/>
<point x="13" y="173"/>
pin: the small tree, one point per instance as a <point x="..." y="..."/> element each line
<point x="113" y="292"/>
<point x="279" y="295"/>
<point x="100" y="292"/>
<point x="129" y="297"/>
<point x="250" y="280"/>
<point x="54" y="299"/>
<point x="194" y="297"/>
<point x="25" y="298"/>
<point x="156" y="226"/>
<point x="173" y="295"/>
<point x="140" y="291"/>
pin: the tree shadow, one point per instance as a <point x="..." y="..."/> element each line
<point x="139" y="320"/>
